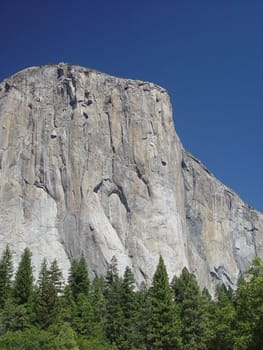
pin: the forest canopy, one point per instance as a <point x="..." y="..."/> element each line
<point x="110" y="312"/>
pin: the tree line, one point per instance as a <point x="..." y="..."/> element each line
<point x="109" y="313"/>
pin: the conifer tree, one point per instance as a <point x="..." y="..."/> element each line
<point x="193" y="313"/>
<point x="112" y="274"/>
<point x="6" y="273"/>
<point x="129" y="307"/>
<point x="249" y="305"/>
<point x="98" y="302"/>
<point x="56" y="277"/>
<point x="83" y="320"/>
<point x="143" y="315"/>
<point x="127" y="292"/>
<point x="78" y="277"/>
<point x="23" y="284"/>
<point x="114" y="312"/>
<point x="224" y="319"/>
<point x="163" y="323"/>
<point x="47" y="306"/>
<point x="14" y="317"/>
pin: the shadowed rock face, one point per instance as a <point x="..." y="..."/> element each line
<point x="91" y="164"/>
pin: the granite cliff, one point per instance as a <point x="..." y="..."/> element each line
<point x="91" y="163"/>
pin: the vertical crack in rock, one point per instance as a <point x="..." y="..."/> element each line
<point x="228" y="196"/>
<point x="228" y="278"/>
<point x="121" y="195"/>
<point x="7" y="87"/>
<point x="110" y="131"/>
<point x="70" y="85"/>
<point x="97" y="187"/>
<point x="153" y="131"/>
<point x="221" y="275"/>
<point x="60" y="72"/>
<point x="142" y="178"/>
<point x="43" y="187"/>
<point x="253" y="235"/>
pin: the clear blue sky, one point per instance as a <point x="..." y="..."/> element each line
<point x="208" y="54"/>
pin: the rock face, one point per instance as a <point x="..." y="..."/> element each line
<point x="91" y="164"/>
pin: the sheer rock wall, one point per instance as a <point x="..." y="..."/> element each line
<point x="91" y="164"/>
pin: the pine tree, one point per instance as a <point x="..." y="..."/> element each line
<point x="206" y="295"/>
<point x="14" y="317"/>
<point x="193" y="313"/>
<point x="143" y="315"/>
<point x="129" y="307"/>
<point x="98" y="302"/>
<point x="249" y="306"/>
<point x="163" y="323"/>
<point x="114" y="312"/>
<point x="6" y="274"/>
<point x="47" y="304"/>
<point x="224" y="319"/>
<point x="83" y="316"/>
<point x="23" y="284"/>
<point x="56" y="277"/>
<point x="112" y="274"/>
<point x="208" y="307"/>
<point x="78" y="277"/>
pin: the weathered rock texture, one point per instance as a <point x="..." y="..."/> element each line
<point x="91" y="164"/>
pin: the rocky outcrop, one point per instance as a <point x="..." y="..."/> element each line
<point x="91" y="164"/>
<point x="224" y="234"/>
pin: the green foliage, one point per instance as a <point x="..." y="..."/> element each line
<point x="63" y="336"/>
<point x="114" y="315"/>
<point x="56" y="277"/>
<point x="112" y="274"/>
<point x="163" y="323"/>
<point x="223" y="316"/>
<point x="30" y="339"/>
<point x="14" y="317"/>
<point x="122" y="309"/>
<point x="56" y="338"/>
<point x="23" y="285"/>
<point x="83" y="316"/>
<point x="47" y="305"/>
<point x="129" y="307"/>
<point x="98" y="302"/>
<point x="110" y="314"/>
<point x="142" y="303"/>
<point x="249" y="306"/>
<point x="206" y="295"/>
<point x="78" y="279"/>
<point x="93" y="343"/>
<point x="6" y="274"/>
<point x="193" y="312"/>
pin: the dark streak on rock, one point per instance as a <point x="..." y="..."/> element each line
<point x="111" y="140"/>
<point x="141" y="177"/>
<point x="253" y="235"/>
<point x="43" y="187"/>
<point x="227" y="277"/>
<point x="7" y="87"/>
<point x="184" y="165"/>
<point x="97" y="187"/>
<point x="121" y="195"/>
<point x="214" y="275"/>
<point x="60" y="72"/>
<point x="143" y="273"/>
